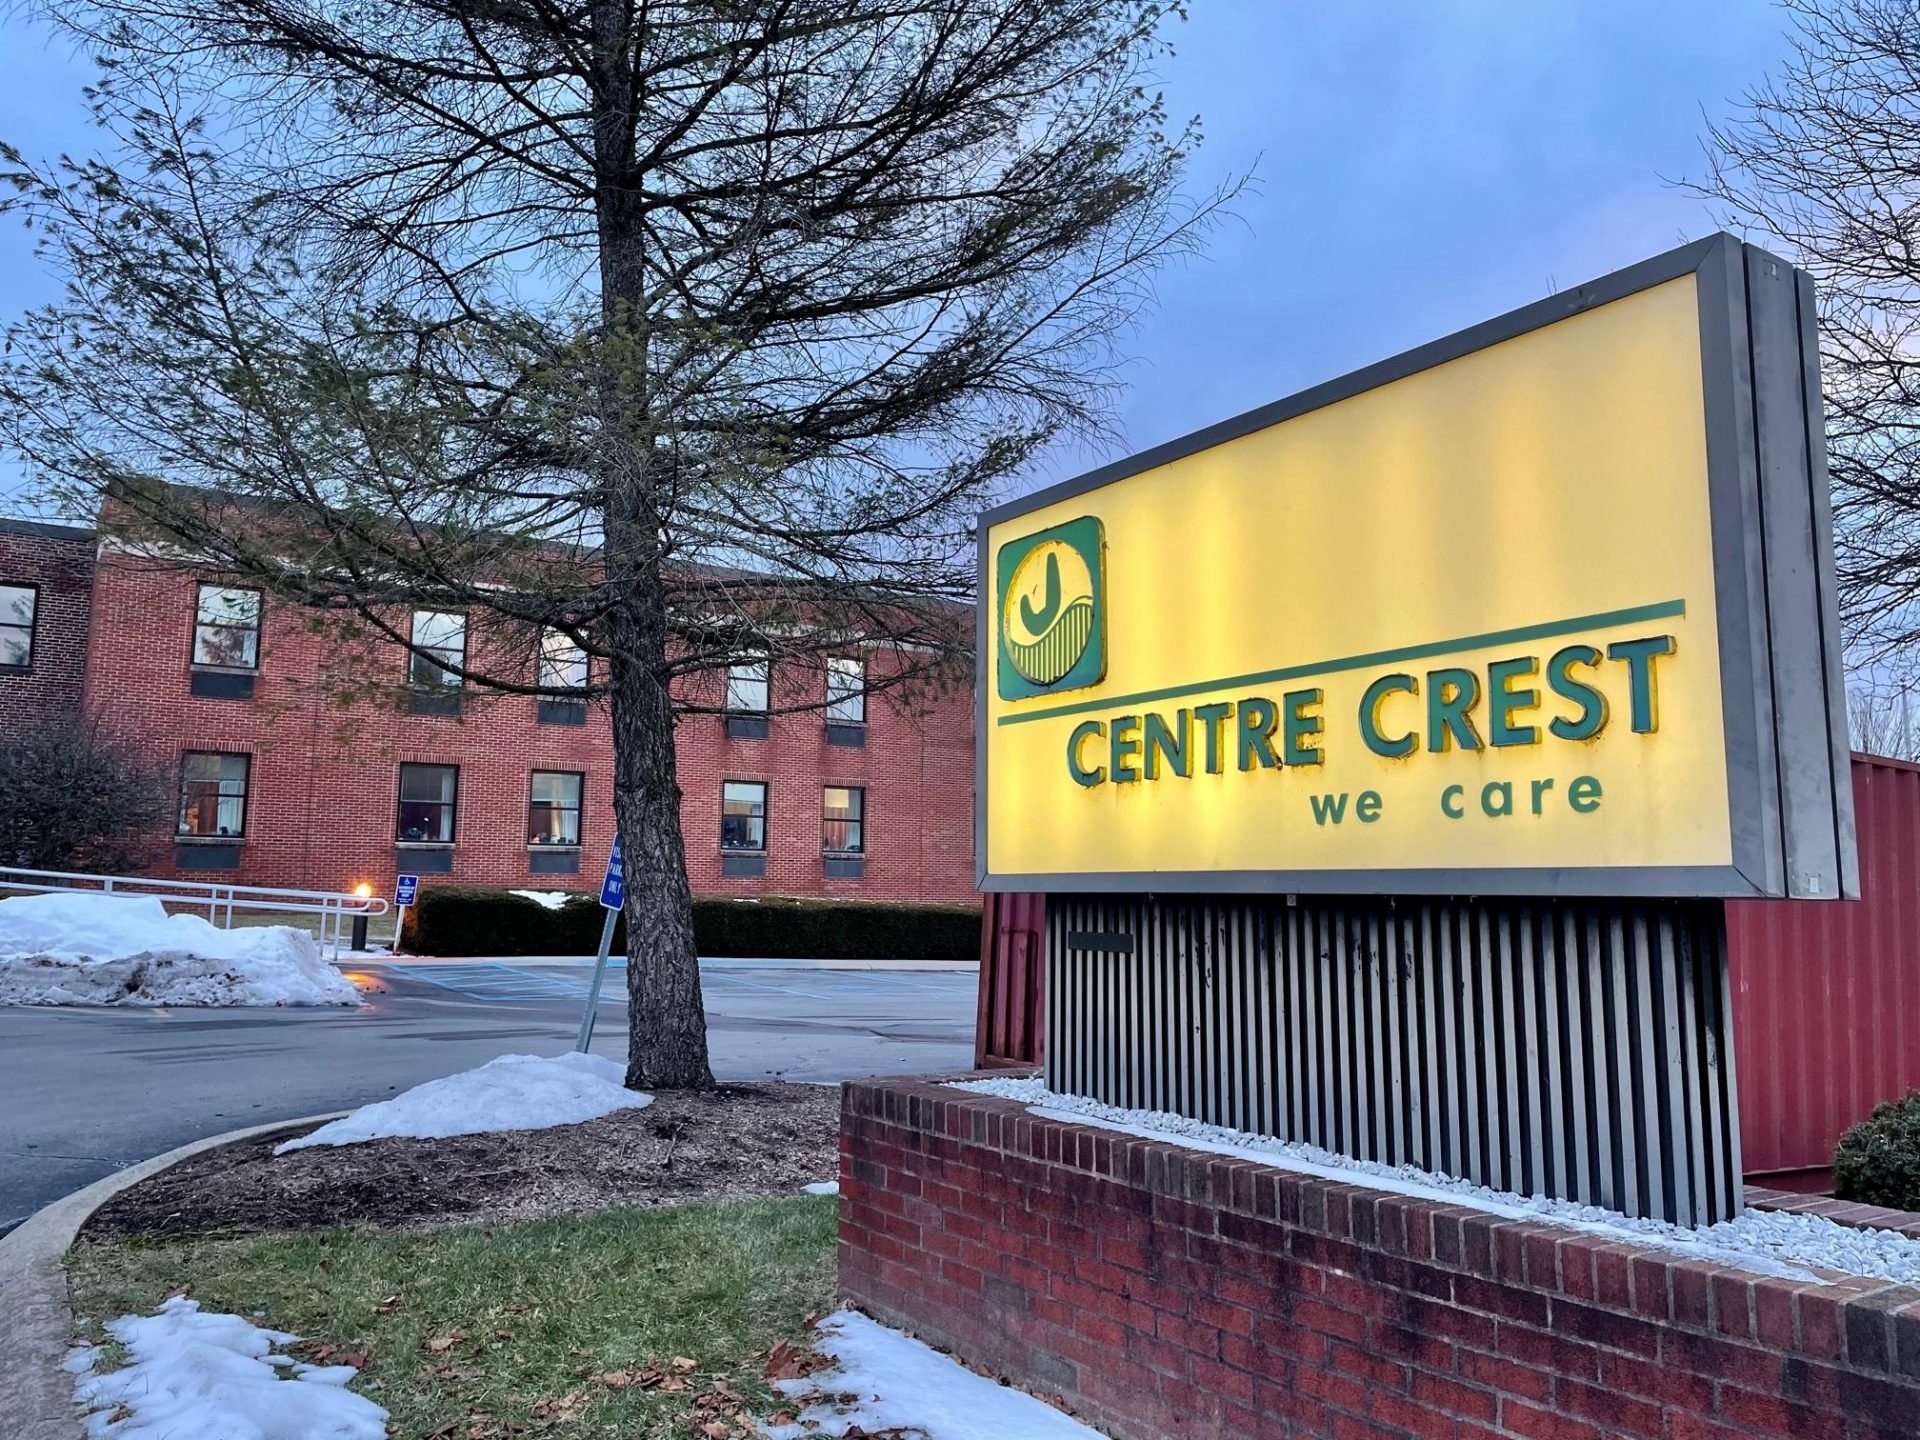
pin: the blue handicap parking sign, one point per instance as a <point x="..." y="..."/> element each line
<point x="405" y="887"/>
<point x="613" y="887"/>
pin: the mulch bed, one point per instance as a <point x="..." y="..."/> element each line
<point x="740" y="1142"/>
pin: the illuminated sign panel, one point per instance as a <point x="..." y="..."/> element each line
<point x="1545" y="607"/>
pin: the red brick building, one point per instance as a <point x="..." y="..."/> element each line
<point x="46" y="589"/>
<point x="310" y="759"/>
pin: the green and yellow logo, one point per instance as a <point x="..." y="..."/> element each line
<point x="1052" y="610"/>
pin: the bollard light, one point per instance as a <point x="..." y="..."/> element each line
<point x="365" y="892"/>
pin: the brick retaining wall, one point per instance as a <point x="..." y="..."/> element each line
<point x="1161" y="1291"/>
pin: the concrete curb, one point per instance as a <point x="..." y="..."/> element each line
<point x="36" y="1318"/>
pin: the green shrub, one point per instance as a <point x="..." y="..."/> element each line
<point x="1878" y="1160"/>
<point x="470" y="920"/>
<point x="456" y="920"/>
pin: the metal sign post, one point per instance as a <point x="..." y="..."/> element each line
<point x="613" y="889"/>
<point x="405" y="888"/>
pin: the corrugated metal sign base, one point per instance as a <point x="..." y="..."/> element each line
<point x="1569" y="1048"/>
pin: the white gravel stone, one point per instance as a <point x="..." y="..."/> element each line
<point x="1768" y="1242"/>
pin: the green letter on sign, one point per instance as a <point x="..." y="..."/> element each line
<point x="1125" y="736"/>
<point x="1370" y="715"/>
<point x="1452" y="694"/>
<point x="1593" y="704"/>
<point x="1167" y="740"/>
<point x="1500" y="727"/>
<point x="1638" y="656"/>
<point x="1300" y="726"/>
<point x="1256" y="734"/>
<point x="1213" y="720"/>
<point x="1084" y="731"/>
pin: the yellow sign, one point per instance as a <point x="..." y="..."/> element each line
<point x="1463" y="621"/>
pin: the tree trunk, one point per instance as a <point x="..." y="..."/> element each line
<point x="666" y="1015"/>
<point x="667" y="1019"/>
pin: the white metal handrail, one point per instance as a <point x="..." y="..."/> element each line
<point x="335" y="908"/>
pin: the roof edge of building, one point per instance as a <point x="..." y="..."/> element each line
<point x="51" y="530"/>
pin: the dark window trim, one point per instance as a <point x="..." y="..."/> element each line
<point x="564" y="693"/>
<point x="180" y="800"/>
<point x="766" y="675"/>
<point x="33" y="625"/>
<point x="258" y="627"/>
<point x="417" y="652"/>
<point x="399" y="781"/>
<point x="860" y="694"/>
<point x="766" y="818"/>
<point x="579" y="811"/>
<point x="826" y="820"/>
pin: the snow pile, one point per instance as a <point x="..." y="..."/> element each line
<point x="899" y="1384"/>
<point x="546" y="899"/>
<point x="1765" y="1241"/>
<point x="822" y="1187"/>
<point x="513" y="1092"/>
<point x="195" y="1374"/>
<point x="89" y="948"/>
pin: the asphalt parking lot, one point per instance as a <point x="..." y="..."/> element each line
<point x="90" y="1090"/>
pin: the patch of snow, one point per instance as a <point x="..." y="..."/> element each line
<point x="79" y="1359"/>
<point x="513" y="1092"/>
<point x="89" y="948"/>
<point x="1766" y="1242"/>
<point x="190" y="1373"/>
<point x="551" y="899"/>
<point x="823" y="1187"/>
<point x="900" y="1384"/>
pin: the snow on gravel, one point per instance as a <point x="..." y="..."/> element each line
<point x="899" y="1384"/>
<point x="90" y="948"/>
<point x="513" y="1092"/>
<point x="823" y="1187"/>
<point x="191" y="1373"/>
<point x="1764" y="1241"/>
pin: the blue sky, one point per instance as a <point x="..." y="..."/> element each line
<point x="1419" y="167"/>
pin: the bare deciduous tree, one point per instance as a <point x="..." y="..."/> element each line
<point x="75" y="799"/>
<point x="684" y="329"/>
<point x="1823" y="161"/>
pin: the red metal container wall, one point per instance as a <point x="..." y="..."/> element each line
<point x="1012" y="931"/>
<point x="1826" y="996"/>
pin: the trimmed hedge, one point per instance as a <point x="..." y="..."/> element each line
<point x="1878" y="1161"/>
<point x="457" y="920"/>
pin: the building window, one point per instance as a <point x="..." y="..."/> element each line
<point x="563" y="664"/>
<point x="17" y="606"/>
<point x="427" y="796"/>
<point x="226" y="628"/>
<point x="553" y="815"/>
<point x="213" y="793"/>
<point x="747" y="686"/>
<point x="743" y="815"/>
<point x="846" y="691"/>
<point x="843" y="826"/>
<point x="560" y="666"/>
<point x="439" y="649"/>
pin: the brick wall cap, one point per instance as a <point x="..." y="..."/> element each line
<point x="1170" y="1161"/>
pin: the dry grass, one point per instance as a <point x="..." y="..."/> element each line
<point x="550" y="1326"/>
